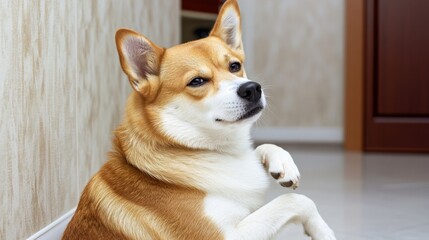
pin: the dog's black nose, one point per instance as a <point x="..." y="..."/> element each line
<point x="251" y="91"/>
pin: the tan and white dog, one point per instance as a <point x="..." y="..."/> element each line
<point x="183" y="166"/>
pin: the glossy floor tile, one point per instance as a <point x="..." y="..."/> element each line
<point x="363" y="196"/>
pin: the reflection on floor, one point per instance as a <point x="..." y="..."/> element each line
<point x="367" y="196"/>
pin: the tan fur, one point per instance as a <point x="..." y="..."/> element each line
<point x="148" y="189"/>
<point x="123" y="202"/>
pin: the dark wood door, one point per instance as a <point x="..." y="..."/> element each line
<point x="397" y="75"/>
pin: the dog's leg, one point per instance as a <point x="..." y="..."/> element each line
<point x="279" y="164"/>
<point x="267" y="221"/>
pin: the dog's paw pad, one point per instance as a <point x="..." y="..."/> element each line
<point x="286" y="184"/>
<point x="276" y="175"/>
<point x="289" y="183"/>
<point x="290" y="179"/>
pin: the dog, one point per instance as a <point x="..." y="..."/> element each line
<point x="183" y="165"/>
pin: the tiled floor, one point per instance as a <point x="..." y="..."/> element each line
<point x="363" y="196"/>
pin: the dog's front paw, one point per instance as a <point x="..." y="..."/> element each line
<point x="279" y="164"/>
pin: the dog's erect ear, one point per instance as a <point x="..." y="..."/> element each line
<point x="228" y="25"/>
<point x="140" y="59"/>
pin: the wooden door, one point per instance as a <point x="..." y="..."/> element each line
<point x="396" y="75"/>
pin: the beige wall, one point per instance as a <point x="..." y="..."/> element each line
<point x="62" y="92"/>
<point x="296" y="48"/>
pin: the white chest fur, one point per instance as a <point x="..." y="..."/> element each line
<point x="238" y="188"/>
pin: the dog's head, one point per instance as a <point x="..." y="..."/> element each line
<point x="196" y="93"/>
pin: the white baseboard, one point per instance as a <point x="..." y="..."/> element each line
<point x="55" y="229"/>
<point x="299" y="135"/>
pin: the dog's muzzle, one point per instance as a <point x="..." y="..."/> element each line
<point x="251" y="92"/>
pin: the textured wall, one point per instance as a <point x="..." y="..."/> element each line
<point x="61" y="93"/>
<point x="295" y="47"/>
<point x="103" y="87"/>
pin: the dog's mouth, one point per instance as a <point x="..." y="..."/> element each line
<point x="250" y="113"/>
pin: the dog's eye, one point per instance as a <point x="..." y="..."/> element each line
<point x="234" y="67"/>
<point x="196" y="82"/>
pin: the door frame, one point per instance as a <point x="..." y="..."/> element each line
<point x="354" y="75"/>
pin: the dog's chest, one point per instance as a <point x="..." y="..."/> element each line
<point x="242" y="184"/>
